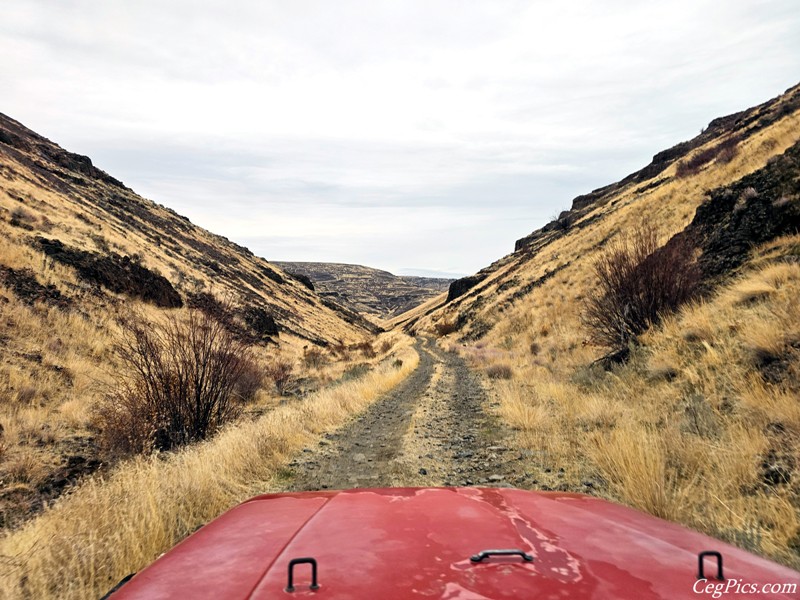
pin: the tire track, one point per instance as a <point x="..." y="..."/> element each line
<point x="434" y="429"/>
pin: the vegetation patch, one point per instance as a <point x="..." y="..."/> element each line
<point x="638" y="283"/>
<point x="724" y="152"/>
<point x="178" y="383"/>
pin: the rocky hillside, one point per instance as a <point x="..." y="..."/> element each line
<point x="689" y="176"/>
<point x="58" y="208"/>
<point x="78" y="252"/>
<point x="695" y="418"/>
<point x="366" y="290"/>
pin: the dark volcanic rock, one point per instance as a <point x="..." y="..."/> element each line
<point x="260" y="321"/>
<point x="751" y="211"/>
<point x="272" y="274"/>
<point x="736" y="126"/>
<point x="25" y="286"/>
<point x="117" y="273"/>
<point x="461" y="286"/>
<point x="304" y="279"/>
<point x="16" y="135"/>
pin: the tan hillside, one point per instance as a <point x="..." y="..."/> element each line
<point x="700" y="423"/>
<point x="371" y="291"/>
<point x="79" y="250"/>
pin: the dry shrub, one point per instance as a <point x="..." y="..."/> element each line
<point x="313" y="358"/>
<point x="249" y="382"/>
<point x="280" y="373"/>
<point x="724" y="152"/>
<point x="21" y="217"/>
<point x="442" y="328"/>
<point x="177" y="386"/>
<point x="27" y="394"/>
<point x="340" y="350"/>
<point x="500" y="371"/>
<point x="111" y="526"/>
<point x="638" y="283"/>
<point x="366" y="349"/>
<point x="385" y="346"/>
<point x="25" y="467"/>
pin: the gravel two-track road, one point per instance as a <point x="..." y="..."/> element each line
<point x="435" y="428"/>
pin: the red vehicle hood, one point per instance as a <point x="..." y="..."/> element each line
<point x="408" y="543"/>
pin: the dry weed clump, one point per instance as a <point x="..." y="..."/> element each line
<point x="445" y="327"/>
<point x="500" y="371"/>
<point x="639" y="282"/>
<point x="107" y="528"/>
<point x="724" y="153"/>
<point x="313" y="358"/>
<point x="179" y="383"/>
<point x="280" y="372"/>
<point x="366" y="349"/>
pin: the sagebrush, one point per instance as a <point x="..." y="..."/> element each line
<point x="180" y="382"/>
<point x="637" y="283"/>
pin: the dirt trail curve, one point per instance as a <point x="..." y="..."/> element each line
<point x="433" y="429"/>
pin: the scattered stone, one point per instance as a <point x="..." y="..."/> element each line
<point x="423" y="471"/>
<point x="496" y="477"/>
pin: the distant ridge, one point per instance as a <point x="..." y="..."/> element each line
<point x="366" y="290"/>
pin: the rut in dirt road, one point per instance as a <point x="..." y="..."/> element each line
<point x="434" y="429"/>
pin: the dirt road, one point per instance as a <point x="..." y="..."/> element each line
<point x="433" y="429"/>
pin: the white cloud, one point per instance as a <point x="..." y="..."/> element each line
<point x="500" y="111"/>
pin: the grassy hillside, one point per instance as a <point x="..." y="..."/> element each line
<point x="700" y="423"/>
<point x="370" y="291"/>
<point x="78" y="252"/>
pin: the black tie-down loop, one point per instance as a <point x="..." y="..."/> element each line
<point x="300" y="561"/>
<point x="700" y="566"/>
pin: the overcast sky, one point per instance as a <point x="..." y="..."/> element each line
<point x="408" y="135"/>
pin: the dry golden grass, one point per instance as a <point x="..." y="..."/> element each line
<point x="112" y="526"/>
<point x="696" y="427"/>
<point x="56" y="364"/>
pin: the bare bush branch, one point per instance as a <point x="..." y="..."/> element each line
<point x="280" y="373"/>
<point x="638" y="283"/>
<point x="180" y="383"/>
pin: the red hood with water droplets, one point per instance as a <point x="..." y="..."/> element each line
<point x="409" y="543"/>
